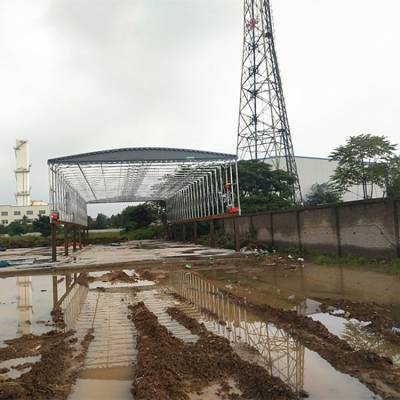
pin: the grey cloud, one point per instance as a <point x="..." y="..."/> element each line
<point x="84" y="75"/>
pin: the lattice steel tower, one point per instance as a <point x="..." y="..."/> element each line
<point x="263" y="131"/>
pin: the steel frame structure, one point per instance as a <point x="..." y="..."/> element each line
<point x="193" y="183"/>
<point x="263" y="126"/>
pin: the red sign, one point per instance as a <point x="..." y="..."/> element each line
<point x="54" y="216"/>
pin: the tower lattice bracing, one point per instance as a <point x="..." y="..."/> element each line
<point x="263" y="130"/>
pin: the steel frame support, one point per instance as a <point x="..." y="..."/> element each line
<point x="53" y="242"/>
<point x="236" y="230"/>
<point x="194" y="231"/>
<point x="74" y="239"/>
<point x="214" y="193"/>
<point x="66" y="242"/>
<point x="212" y="234"/>
<point x="55" y="291"/>
<point x="183" y="232"/>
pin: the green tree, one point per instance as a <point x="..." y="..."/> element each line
<point x="116" y="221"/>
<point x="393" y="178"/>
<point x="42" y="225"/>
<point x="140" y="216"/>
<point x="159" y="210"/>
<point x="262" y="188"/>
<point x="17" y="228"/>
<point x="101" y="221"/>
<point x="3" y="229"/>
<point x="362" y="161"/>
<point x="323" y="193"/>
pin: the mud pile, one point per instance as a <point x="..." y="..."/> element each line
<point x="113" y="277"/>
<point x="47" y="379"/>
<point x="168" y="368"/>
<point x="117" y="276"/>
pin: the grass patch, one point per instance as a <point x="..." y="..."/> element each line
<point x="23" y="241"/>
<point x="388" y="266"/>
<point x="101" y="235"/>
<point x="147" y="233"/>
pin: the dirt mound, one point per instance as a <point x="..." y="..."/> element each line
<point x="147" y="275"/>
<point x="170" y="369"/>
<point x="113" y="276"/>
<point x="117" y="276"/>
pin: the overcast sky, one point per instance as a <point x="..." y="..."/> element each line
<point x="86" y="75"/>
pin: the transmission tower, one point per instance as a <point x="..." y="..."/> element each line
<point x="263" y="131"/>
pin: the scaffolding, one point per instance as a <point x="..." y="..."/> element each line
<point x="194" y="184"/>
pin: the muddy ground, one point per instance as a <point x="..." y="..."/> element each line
<point x="170" y="369"/>
<point x="50" y="378"/>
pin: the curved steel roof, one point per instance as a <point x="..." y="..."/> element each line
<point x="136" y="175"/>
<point x="142" y="154"/>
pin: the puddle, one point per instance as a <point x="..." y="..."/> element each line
<point x="15" y="373"/>
<point x="356" y="334"/>
<point x="103" y="384"/>
<point x="295" y="289"/>
<point x="277" y="351"/>
<point x="25" y="305"/>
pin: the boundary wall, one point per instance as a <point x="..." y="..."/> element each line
<point x="360" y="228"/>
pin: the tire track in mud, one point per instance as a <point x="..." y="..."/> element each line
<point x="169" y="368"/>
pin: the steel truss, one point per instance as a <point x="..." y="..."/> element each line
<point x="263" y="128"/>
<point x="193" y="183"/>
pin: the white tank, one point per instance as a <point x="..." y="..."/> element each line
<point x="23" y="194"/>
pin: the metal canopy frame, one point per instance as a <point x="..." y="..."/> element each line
<point x="194" y="184"/>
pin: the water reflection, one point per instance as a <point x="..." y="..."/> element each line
<point x="24" y="305"/>
<point x="361" y="338"/>
<point x="281" y="354"/>
<point x="285" y="288"/>
<point x="264" y="343"/>
<point x="71" y="303"/>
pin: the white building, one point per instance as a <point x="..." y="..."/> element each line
<point x="313" y="170"/>
<point x="25" y="208"/>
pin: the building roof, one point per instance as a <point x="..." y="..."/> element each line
<point x="142" y="154"/>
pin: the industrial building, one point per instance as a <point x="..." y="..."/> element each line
<point x="312" y="170"/>
<point x="24" y="208"/>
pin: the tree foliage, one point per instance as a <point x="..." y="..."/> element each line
<point x="17" y="228"/>
<point x="323" y="193"/>
<point x="42" y="224"/>
<point x="362" y="161"/>
<point x="100" y="222"/>
<point x="134" y="217"/>
<point x="262" y="188"/>
<point x="393" y="178"/>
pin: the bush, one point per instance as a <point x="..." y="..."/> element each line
<point x="149" y="232"/>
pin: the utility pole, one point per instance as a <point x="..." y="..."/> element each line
<point x="263" y="128"/>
